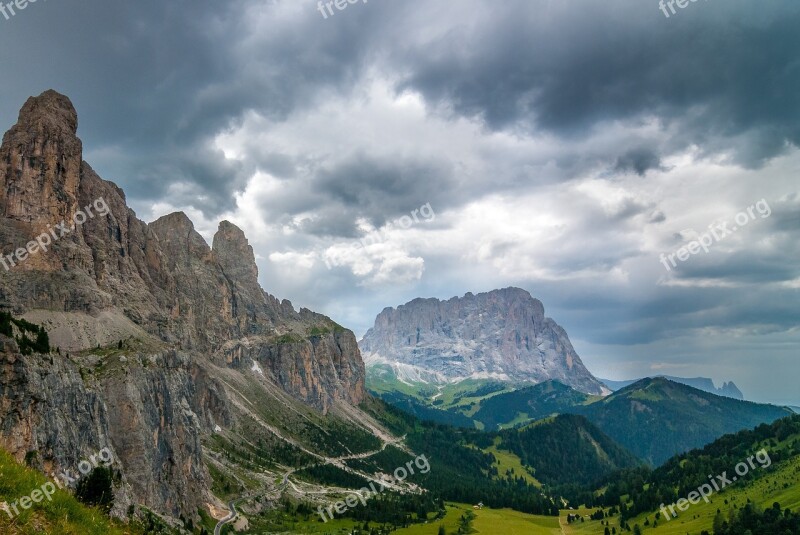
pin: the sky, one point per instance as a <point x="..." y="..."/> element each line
<point x="561" y="146"/>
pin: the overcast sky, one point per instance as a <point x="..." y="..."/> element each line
<point x="563" y="146"/>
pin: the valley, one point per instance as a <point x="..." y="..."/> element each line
<point x="422" y="268"/>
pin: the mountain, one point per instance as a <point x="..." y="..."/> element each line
<point x="657" y="418"/>
<point x="567" y="450"/>
<point x="502" y="335"/>
<point x="728" y="389"/>
<point x="770" y="474"/>
<point x="668" y="417"/>
<point x="165" y="350"/>
<point x="529" y="403"/>
<point x="563" y="450"/>
<point x="143" y="340"/>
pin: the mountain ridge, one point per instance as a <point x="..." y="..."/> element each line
<point x="164" y="343"/>
<point x="675" y="417"/>
<point x="728" y="388"/>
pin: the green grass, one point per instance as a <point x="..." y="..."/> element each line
<point x="508" y="522"/>
<point x="782" y="486"/>
<point x="487" y="522"/>
<point x="459" y="396"/>
<point x="277" y="521"/>
<point x="520" y="418"/>
<point x="450" y="522"/>
<point x="63" y="515"/>
<point x="381" y="380"/>
<point x="587" y="527"/>
<point x="509" y="461"/>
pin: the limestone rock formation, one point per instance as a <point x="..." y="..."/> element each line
<point x="191" y="313"/>
<point x="502" y="335"/>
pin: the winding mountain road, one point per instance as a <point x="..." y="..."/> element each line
<point x="229" y="518"/>
<point x="335" y="461"/>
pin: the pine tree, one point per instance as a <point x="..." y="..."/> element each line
<point x="96" y="489"/>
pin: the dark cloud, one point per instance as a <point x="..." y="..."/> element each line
<point x="721" y="73"/>
<point x="527" y="99"/>
<point x="639" y="161"/>
<point x="385" y="189"/>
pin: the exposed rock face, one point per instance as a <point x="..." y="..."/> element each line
<point x="115" y="277"/>
<point x="41" y="162"/>
<point x="731" y="390"/>
<point x="502" y="334"/>
<point x="150" y="417"/>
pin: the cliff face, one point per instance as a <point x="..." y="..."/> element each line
<point x="502" y="334"/>
<point x="192" y="310"/>
<point x="150" y="411"/>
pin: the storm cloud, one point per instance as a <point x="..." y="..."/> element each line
<point x="564" y="147"/>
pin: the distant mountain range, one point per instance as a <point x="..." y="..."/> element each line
<point x="654" y="418"/>
<point x="728" y="389"/>
<point x="502" y="335"/>
<point x="658" y="418"/>
<point x="493" y="361"/>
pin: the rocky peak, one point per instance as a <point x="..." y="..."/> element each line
<point x="50" y="112"/>
<point x="179" y="240"/>
<point x="730" y="390"/>
<point x="235" y="255"/>
<point x="186" y="313"/>
<point x="40" y="162"/>
<point x="502" y="334"/>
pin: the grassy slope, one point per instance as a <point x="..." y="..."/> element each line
<point x="658" y="408"/>
<point x="454" y="396"/>
<point x="764" y="491"/>
<point x="489" y="522"/>
<point x="63" y="515"/>
<point x="509" y="461"/>
<point x="529" y="403"/>
<point x="669" y="418"/>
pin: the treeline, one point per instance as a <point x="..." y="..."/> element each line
<point x="331" y="475"/>
<point x="382" y="514"/>
<point x="426" y="413"/>
<point x="564" y="451"/>
<point x="38" y="342"/>
<point x="647" y="489"/>
<point x="750" y="520"/>
<point x="460" y="471"/>
<point x="397" y="510"/>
